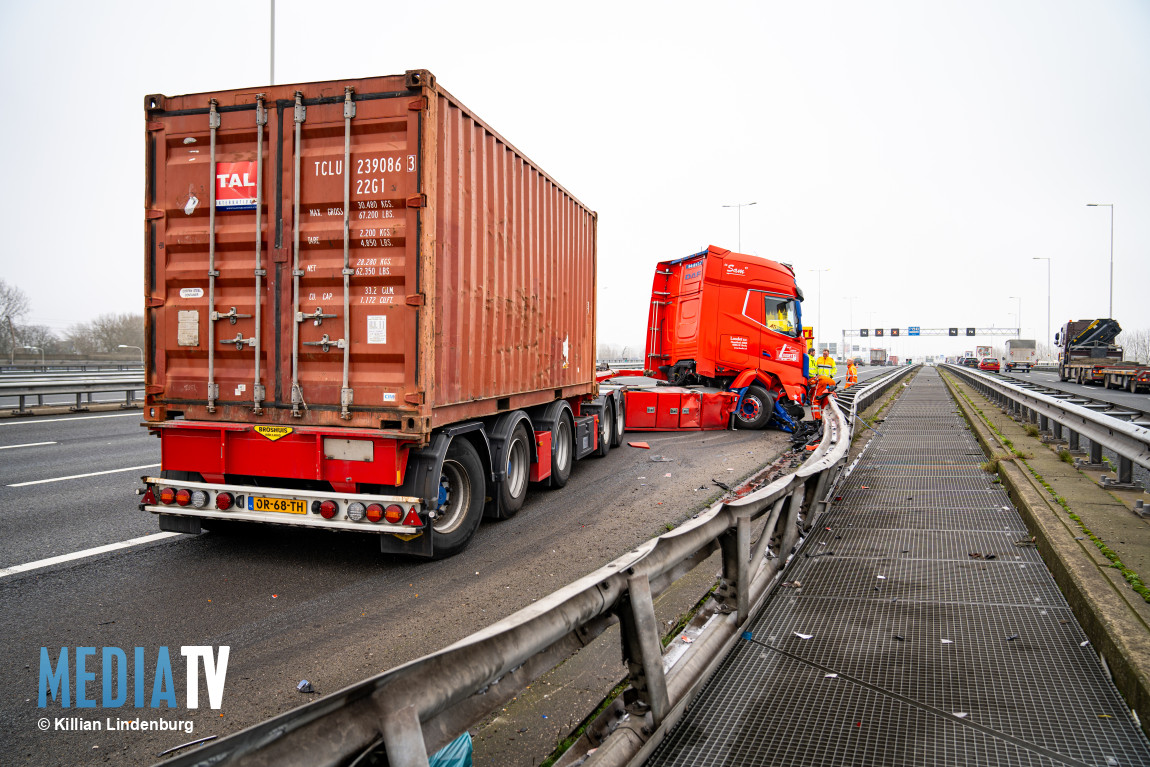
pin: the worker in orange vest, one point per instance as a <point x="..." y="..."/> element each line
<point x="852" y="374"/>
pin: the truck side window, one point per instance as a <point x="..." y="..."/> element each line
<point x="780" y="314"/>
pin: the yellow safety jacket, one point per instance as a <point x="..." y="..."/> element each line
<point x="826" y="366"/>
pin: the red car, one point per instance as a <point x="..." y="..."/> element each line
<point x="988" y="363"/>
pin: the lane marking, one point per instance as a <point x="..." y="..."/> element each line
<point x="85" y="553"/>
<point x="79" y="476"/>
<point x="72" y="418"/>
<point x="29" y="444"/>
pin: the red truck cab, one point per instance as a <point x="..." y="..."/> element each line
<point x="731" y="321"/>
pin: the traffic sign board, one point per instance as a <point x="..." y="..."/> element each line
<point x="913" y="330"/>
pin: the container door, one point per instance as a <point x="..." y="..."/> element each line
<point x="349" y="353"/>
<point x="208" y="257"/>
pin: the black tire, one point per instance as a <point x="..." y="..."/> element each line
<point x="1132" y="385"/>
<point x="606" y="429"/>
<point x="755" y="408"/>
<point x="513" y="489"/>
<point x="562" y="450"/>
<point x="463" y="495"/>
<point x="620" y="424"/>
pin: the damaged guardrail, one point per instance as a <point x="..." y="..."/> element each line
<point x="1054" y="416"/>
<point x="419" y="707"/>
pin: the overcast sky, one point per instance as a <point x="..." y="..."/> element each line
<point x="922" y="152"/>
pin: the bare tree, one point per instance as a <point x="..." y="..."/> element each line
<point x="40" y="336"/>
<point x="13" y="305"/>
<point x="1136" y="344"/>
<point x="106" y="333"/>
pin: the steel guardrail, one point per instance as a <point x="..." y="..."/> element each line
<point x="1130" y="442"/>
<point x="419" y="707"/>
<point x="41" y="387"/>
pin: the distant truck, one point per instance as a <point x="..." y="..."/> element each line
<point x="892" y="360"/>
<point x="732" y="322"/>
<point x="1087" y="354"/>
<point x="1021" y="354"/>
<point x="877" y="357"/>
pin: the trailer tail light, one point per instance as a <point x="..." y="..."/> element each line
<point x="168" y="496"/>
<point x="393" y="514"/>
<point x="355" y="511"/>
<point x="199" y="499"/>
<point x="149" y="496"/>
<point x="224" y="501"/>
<point x="183" y="497"/>
<point x="327" y="509"/>
<point x="412" y="519"/>
<point x="374" y="512"/>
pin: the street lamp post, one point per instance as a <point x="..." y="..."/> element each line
<point x="847" y="352"/>
<point x="37" y="349"/>
<point x="1018" y="317"/>
<point x="1047" y="260"/>
<point x="129" y="346"/>
<point x="1111" y="206"/>
<point x="819" y="327"/>
<point x="740" y="206"/>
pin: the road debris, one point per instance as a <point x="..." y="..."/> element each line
<point x="305" y="687"/>
<point x="723" y="485"/>
<point x="660" y="459"/>
<point x="802" y="636"/>
<point x="642" y="445"/>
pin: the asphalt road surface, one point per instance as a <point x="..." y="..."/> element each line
<point x="291" y="605"/>
<point x="1139" y="402"/>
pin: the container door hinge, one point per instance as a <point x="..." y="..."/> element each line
<point x="415" y="299"/>
<point x="231" y="316"/>
<point x="154" y="214"/>
<point x="414" y="399"/>
<point x="417" y="201"/>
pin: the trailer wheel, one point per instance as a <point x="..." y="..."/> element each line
<point x="562" y="450"/>
<point x="620" y="426"/>
<point x="1132" y="385"/>
<point x="461" y="495"/>
<point x="513" y="489"/>
<point x="606" y="430"/>
<point x="755" y="409"/>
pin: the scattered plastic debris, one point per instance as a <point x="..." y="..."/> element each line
<point x="660" y="459"/>
<point x="961" y="714"/>
<point x="305" y="687"/>
<point x="881" y="577"/>
<point x="1012" y="637"/>
<point x="723" y="485"/>
<point x="686" y="639"/>
<point x="802" y="636"/>
<point x="830" y="676"/>
<point x="793" y="585"/>
<point x="900" y="637"/>
<point x="643" y="445"/>
<point x="747" y="635"/>
<point x="948" y="641"/>
<point x="1083" y="644"/>
<point x="667" y="474"/>
<point x="991" y="556"/>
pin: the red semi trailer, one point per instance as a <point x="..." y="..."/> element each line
<point x="730" y="321"/>
<point x="365" y="311"/>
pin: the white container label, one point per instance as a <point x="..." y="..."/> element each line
<point x="191" y="292"/>
<point x="377" y="329"/>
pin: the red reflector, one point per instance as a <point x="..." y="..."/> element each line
<point x="374" y="512"/>
<point x="168" y="496"/>
<point x="393" y="514"/>
<point x="183" y="497"/>
<point x="224" y="501"/>
<point x="149" y="497"/>
<point x="412" y="519"/>
<point x="327" y="509"/>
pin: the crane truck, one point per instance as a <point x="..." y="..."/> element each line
<point x="1087" y="354"/>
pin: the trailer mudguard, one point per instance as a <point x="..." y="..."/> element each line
<point x="500" y="439"/>
<point x="421" y="480"/>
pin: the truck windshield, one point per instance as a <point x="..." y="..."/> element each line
<point x="781" y="315"/>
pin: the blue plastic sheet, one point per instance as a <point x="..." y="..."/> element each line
<point x="457" y="753"/>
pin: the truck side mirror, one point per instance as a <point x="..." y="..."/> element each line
<point x="1056" y="337"/>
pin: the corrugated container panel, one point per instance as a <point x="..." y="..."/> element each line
<point x="472" y="272"/>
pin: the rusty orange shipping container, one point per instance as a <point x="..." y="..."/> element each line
<point x="339" y="273"/>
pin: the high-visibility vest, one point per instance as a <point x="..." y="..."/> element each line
<point x="826" y="367"/>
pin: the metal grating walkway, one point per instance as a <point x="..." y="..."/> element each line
<point x="933" y="639"/>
